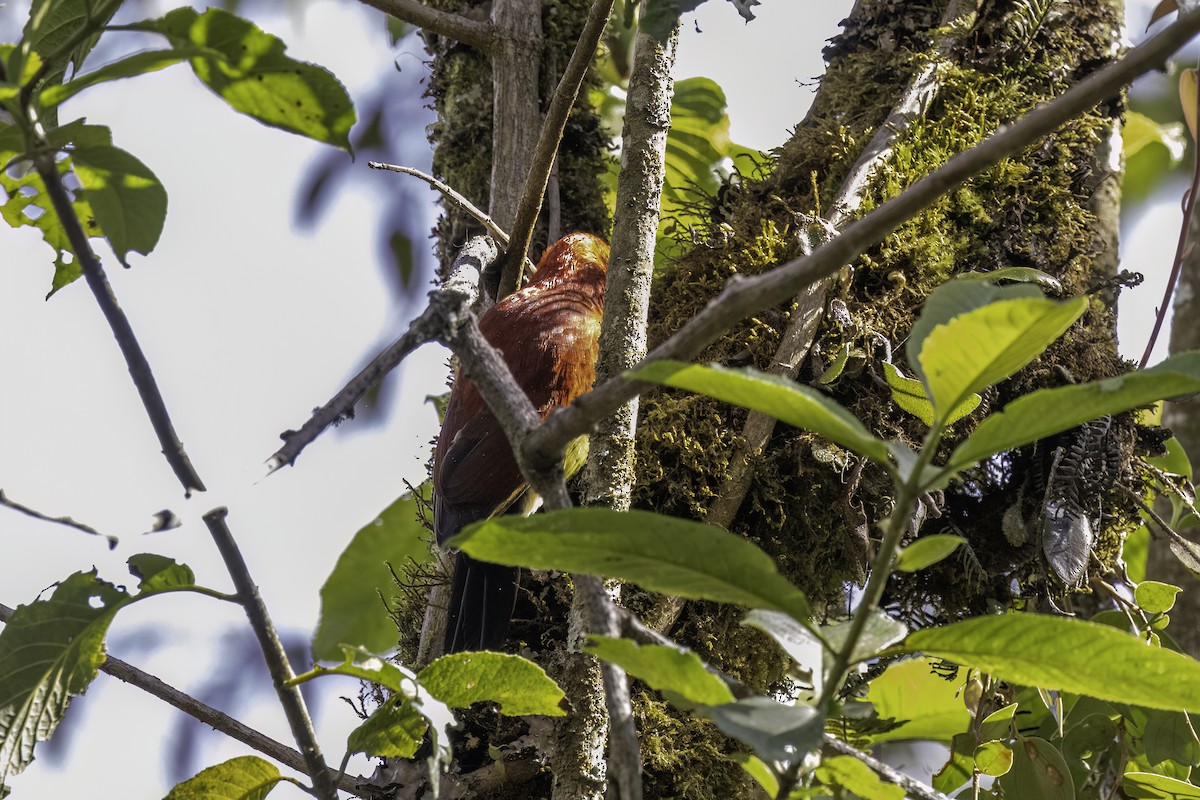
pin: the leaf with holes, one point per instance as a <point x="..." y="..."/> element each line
<point x="50" y="651"/>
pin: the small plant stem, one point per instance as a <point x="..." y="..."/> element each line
<point x="273" y="653"/>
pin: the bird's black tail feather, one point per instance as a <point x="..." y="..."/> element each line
<point x="482" y="597"/>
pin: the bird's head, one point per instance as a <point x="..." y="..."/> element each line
<point x="579" y="257"/>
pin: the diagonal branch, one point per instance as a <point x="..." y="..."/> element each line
<point x="135" y="359"/>
<point x="479" y="35"/>
<point x="745" y="296"/>
<point x="513" y="263"/>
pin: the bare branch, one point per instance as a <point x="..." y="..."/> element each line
<point x="276" y="658"/>
<point x="70" y="523"/>
<point x="135" y="359"/>
<point x="453" y="26"/>
<point x="744" y="296"/>
<point x="547" y="145"/>
<point x="218" y="720"/>
<point x="464" y="281"/>
<point x="455" y="197"/>
<point x="911" y="786"/>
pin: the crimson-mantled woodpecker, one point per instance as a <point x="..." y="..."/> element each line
<point x="548" y="334"/>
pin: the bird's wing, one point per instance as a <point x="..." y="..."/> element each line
<point x="478" y="476"/>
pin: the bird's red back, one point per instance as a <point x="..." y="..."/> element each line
<point x="548" y="334"/>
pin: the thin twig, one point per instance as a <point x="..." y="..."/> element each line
<point x="474" y="257"/>
<point x="547" y="145"/>
<point x="744" y="296"/>
<point x="452" y="26"/>
<point x="135" y="359"/>
<point x="455" y="197"/>
<point x="218" y="720"/>
<point x="1182" y="247"/>
<point x="70" y="523"/>
<point x="276" y="658"/>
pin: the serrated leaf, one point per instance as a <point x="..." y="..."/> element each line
<point x="51" y="650"/>
<point x="1154" y="597"/>
<point x="125" y="196"/>
<point x="928" y="705"/>
<point x="1149" y="786"/>
<point x="28" y="204"/>
<point x="854" y="776"/>
<point x="666" y="669"/>
<point x="352" y="611"/>
<point x="1048" y="411"/>
<point x="519" y="686"/>
<point x="773" y="395"/>
<point x="926" y="551"/>
<point x="775" y="731"/>
<point x="253" y="75"/>
<point x="982" y="347"/>
<point x="1069" y="655"/>
<point x="394" y="730"/>
<point x="242" y="778"/>
<point x="660" y="553"/>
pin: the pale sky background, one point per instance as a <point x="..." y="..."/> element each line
<point x="249" y="324"/>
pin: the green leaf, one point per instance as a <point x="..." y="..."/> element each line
<point x="250" y="72"/>
<point x="775" y="731"/>
<point x="1048" y="411"/>
<point x="1140" y="131"/>
<point x="1168" y="735"/>
<point x="798" y="641"/>
<point x="665" y="669"/>
<point x="518" y="685"/>
<point x="982" y="347"/>
<point x="773" y="395"/>
<point x="909" y="394"/>
<point x="1067" y="654"/>
<point x="243" y="778"/>
<point x="959" y="767"/>
<point x="878" y="632"/>
<point x="663" y="554"/>
<point x="758" y="769"/>
<point x="1154" y="597"/>
<point x="1093" y="734"/>
<point x="128" y="201"/>
<point x="394" y="730"/>
<point x="1148" y="786"/>
<point x="854" y="776"/>
<point x="352" y="609"/>
<point x="927" y="550"/>
<point x="368" y="666"/>
<point x="55" y="24"/>
<point x="953" y="299"/>
<point x="28" y="204"/>
<point x="998" y="724"/>
<point x="1044" y="280"/>
<point x="1038" y="772"/>
<point x="993" y="758"/>
<point x="127" y="67"/>
<point x="927" y="704"/>
<point x="50" y="651"/>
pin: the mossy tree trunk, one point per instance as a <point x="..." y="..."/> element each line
<point x="809" y="504"/>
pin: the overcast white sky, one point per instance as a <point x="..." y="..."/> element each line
<point x="249" y="324"/>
